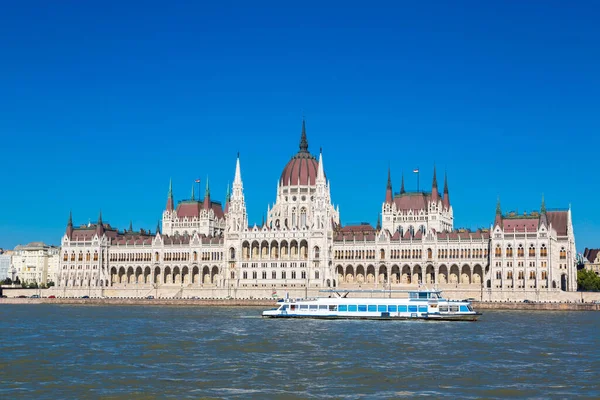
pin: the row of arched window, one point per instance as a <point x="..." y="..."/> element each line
<point x="80" y="256"/>
<point x="520" y="275"/>
<point x="147" y="256"/>
<point x="521" y="251"/>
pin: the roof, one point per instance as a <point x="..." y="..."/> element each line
<point x="591" y="255"/>
<point x="559" y="221"/>
<point x="192" y="208"/>
<point x="414" y="201"/>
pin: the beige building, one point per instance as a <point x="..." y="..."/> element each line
<point x="591" y="260"/>
<point x="35" y="262"/>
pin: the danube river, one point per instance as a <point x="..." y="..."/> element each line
<point x="140" y="352"/>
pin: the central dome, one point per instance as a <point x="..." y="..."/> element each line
<point x="302" y="168"/>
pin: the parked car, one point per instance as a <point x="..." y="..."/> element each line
<point x="35" y="296"/>
<point x="85" y="297"/>
<point x="52" y="296"/>
<point x="150" y="297"/>
<point x="527" y="301"/>
<point x="21" y="297"/>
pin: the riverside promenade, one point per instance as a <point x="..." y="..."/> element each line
<point x="478" y="305"/>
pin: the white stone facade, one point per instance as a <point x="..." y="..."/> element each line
<point x="302" y="245"/>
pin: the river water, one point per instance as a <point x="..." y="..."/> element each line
<point x="141" y="352"/>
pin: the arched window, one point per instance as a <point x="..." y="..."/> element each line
<point x="520" y="251"/>
<point x="498" y="251"/>
<point x="302" y="217"/>
<point x="429" y="254"/>
<point x="531" y="250"/>
<point x="509" y="275"/>
<point x="95" y="256"/>
<point x="509" y="251"/>
<point x="316" y="274"/>
<point x="293" y="217"/>
<point x="563" y="253"/>
<point x="316" y="251"/>
<point x="544" y="251"/>
<point x="382" y="254"/>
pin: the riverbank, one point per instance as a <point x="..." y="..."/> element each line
<point x="478" y="305"/>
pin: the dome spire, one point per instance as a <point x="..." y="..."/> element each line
<point x="303" y="140"/>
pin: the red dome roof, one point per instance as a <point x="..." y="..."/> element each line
<point x="302" y="168"/>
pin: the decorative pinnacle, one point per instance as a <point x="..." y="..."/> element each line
<point x="435" y="184"/>
<point x="170" y="187"/>
<point x="402" y="191"/>
<point x="498" y="209"/>
<point x="303" y="140"/>
<point x="207" y="193"/>
<point x="100" y="218"/>
<point x="543" y="207"/>
<point x="130" y="226"/>
<point x="445" y="182"/>
<point x="70" y="218"/>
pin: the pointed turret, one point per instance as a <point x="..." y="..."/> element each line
<point x="158" y="227"/>
<point x="446" y="200"/>
<point x="207" y="203"/>
<point x="378" y="227"/>
<point x="320" y="169"/>
<point x="303" y="139"/>
<point x="227" y="198"/>
<point x="100" y="225"/>
<point x="388" y="189"/>
<point x="434" y="187"/>
<point x="130" y="226"/>
<point x="237" y="179"/>
<point x="402" y="191"/>
<point x="498" y="219"/>
<point x="170" y="196"/>
<point x="543" y="215"/>
<point x="70" y="226"/>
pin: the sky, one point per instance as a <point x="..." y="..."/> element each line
<point x="103" y="102"/>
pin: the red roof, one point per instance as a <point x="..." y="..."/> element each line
<point x="192" y="208"/>
<point x="559" y="221"/>
<point x="412" y="201"/>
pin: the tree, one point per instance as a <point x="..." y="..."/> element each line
<point x="588" y="281"/>
<point x="50" y="284"/>
<point x="7" y="281"/>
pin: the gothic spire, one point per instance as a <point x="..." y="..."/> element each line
<point x="130" y="226"/>
<point x="378" y="227"/>
<point x="388" y="190"/>
<point x="446" y="194"/>
<point x="543" y="207"/>
<point x="498" y="208"/>
<point x="207" y="191"/>
<point x="303" y="140"/>
<point x="434" y="186"/>
<point x="100" y="218"/>
<point x="70" y="226"/>
<point x="170" y="196"/>
<point x="320" y="170"/>
<point x="237" y="180"/>
<point x="158" y="227"/>
<point x="70" y="223"/>
<point x="402" y="191"/>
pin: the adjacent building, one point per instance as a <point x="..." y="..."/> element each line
<point x="302" y="244"/>
<point x="591" y="260"/>
<point x="35" y="262"/>
<point x="5" y="265"/>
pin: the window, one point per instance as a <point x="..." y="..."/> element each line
<point x="245" y="275"/>
<point x="498" y="251"/>
<point x="362" y="308"/>
<point x="532" y="251"/>
<point x="520" y="251"/>
<point x="509" y="251"/>
<point x="563" y="253"/>
<point x="264" y="274"/>
<point x="392" y="308"/>
<point x="293" y="274"/>
<point x="316" y="274"/>
<point x="381" y="308"/>
<point x="422" y="308"/>
<point x="412" y="308"/>
<point x="273" y="274"/>
<point x="333" y="307"/>
<point x="372" y="308"/>
<point x="352" y="308"/>
<point x="283" y="274"/>
<point x="303" y="274"/>
<point x="544" y="251"/>
<point x="342" y="307"/>
<point x="464" y="309"/>
<point x="254" y="275"/>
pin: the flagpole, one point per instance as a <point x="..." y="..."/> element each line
<point x="199" y="193"/>
<point x="418" y="172"/>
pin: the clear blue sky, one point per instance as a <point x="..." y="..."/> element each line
<point x="102" y="102"/>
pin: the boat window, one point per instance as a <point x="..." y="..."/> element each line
<point x="293" y="307"/>
<point x="333" y="307"/>
<point x="362" y="308"/>
<point x="381" y="308"/>
<point x="342" y="307"/>
<point x="453" y="308"/>
<point x="422" y="308"/>
<point x="464" y="309"/>
<point x="352" y="307"/>
<point x="413" y="295"/>
<point x="443" y="308"/>
<point x="372" y="308"/>
<point x="314" y="307"/>
<point x="423" y="295"/>
<point x="304" y="306"/>
<point x="402" y="308"/>
<point x="284" y="307"/>
<point x="393" y="308"/>
<point x="323" y="307"/>
<point x="412" y="308"/>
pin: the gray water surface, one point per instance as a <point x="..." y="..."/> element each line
<point x="140" y="352"/>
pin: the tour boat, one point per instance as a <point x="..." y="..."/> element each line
<point x="418" y="304"/>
